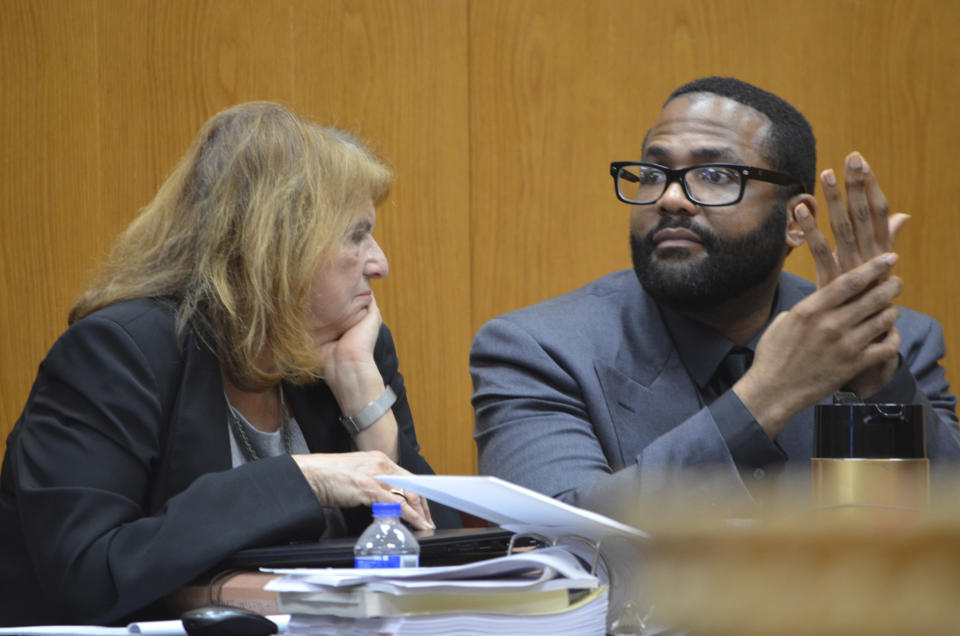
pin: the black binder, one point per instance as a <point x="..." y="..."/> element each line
<point x="437" y="547"/>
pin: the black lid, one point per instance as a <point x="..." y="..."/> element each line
<point x="868" y="431"/>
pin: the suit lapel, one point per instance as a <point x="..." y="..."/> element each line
<point x="318" y="415"/>
<point x="646" y="389"/>
<point x="197" y="440"/>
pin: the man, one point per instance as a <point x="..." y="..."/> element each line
<point x="617" y="387"/>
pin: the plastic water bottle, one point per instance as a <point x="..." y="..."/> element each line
<point x="386" y="543"/>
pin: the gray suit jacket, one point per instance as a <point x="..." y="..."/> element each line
<point x="584" y="397"/>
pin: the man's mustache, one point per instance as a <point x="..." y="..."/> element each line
<point x="707" y="238"/>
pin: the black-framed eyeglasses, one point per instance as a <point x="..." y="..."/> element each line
<point x="709" y="184"/>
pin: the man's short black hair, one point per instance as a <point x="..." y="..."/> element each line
<point x="792" y="146"/>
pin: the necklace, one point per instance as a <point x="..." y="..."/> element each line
<point x="249" y="452"/>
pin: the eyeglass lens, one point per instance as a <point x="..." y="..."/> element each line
<point x="712" y="185"/>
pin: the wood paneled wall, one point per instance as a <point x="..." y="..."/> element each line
<point x="499" y="116"/>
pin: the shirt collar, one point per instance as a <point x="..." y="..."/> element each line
<point x="702" y="348"/>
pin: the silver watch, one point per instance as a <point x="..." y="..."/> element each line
<point x="370" y="413"/>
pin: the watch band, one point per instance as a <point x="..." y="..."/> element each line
<point x="370" y="413"/>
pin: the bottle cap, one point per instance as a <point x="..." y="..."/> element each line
<point x="386" y="509"/>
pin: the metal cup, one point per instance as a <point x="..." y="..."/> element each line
<point x="870" y="455"/>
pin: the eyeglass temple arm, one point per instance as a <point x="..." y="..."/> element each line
<point x="779" y="178"/>
<point x="629" y="176"/>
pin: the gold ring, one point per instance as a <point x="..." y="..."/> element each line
<point x="399" y="492"/>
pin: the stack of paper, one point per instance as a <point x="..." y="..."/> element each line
<point x="544" y="591"/>
<point x="585" y="617"/>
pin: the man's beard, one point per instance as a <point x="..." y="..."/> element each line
<point x="728" y="269"/>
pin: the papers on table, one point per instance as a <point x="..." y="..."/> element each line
<point x="549" y="568"/>
<point x="585" y="617"/>
<point x="513" y="507"/>
<point x="542" y="591"/>
<point x="524" y="511"/>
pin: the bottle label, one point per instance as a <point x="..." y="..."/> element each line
<point x="387" y="561"/>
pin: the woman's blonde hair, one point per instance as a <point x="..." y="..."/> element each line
<point x="236" y="233"/>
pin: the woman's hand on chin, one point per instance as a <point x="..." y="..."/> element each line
<point x="352" y="375"/>
<point x="348" y="366"/>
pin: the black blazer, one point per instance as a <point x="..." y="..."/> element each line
<point x="117" y="486"/>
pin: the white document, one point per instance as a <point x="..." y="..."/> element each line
<point x="513" y="507"/>
<point x="537" y="569"/>
<point x="154" y="628"/>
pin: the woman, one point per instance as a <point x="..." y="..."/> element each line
<point x="198" y="402"/>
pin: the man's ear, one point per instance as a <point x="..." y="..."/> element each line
<point x="794" y="235"/>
